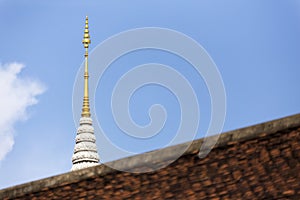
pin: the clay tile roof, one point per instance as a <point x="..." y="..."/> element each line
<point x="256" y="162"/>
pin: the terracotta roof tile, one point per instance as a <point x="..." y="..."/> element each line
<point x="258" y="162"/>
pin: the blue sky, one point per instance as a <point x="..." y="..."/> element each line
<point x="255" y="45"/>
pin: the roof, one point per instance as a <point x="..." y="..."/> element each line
<point x="252" y="154"/>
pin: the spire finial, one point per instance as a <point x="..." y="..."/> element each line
<point x="86" y="38"/>
<point x="86" y="41"/>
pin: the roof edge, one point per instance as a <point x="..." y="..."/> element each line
<point x="239" y="135"/>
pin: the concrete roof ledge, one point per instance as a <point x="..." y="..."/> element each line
<point x="161" y="155"/>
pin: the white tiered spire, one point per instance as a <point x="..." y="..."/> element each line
<point x="85" y="151"/>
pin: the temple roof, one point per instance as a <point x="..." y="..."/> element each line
<point x="263" y="157"/>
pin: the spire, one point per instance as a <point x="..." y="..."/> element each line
<point x="85" y="150"/>
<point x="86" y="41"/>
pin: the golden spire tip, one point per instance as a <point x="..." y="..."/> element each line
<point x="86" y="37"/>
<point x="86" y="41"/>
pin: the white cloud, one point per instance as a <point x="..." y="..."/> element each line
<point x="16" y="95"/>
